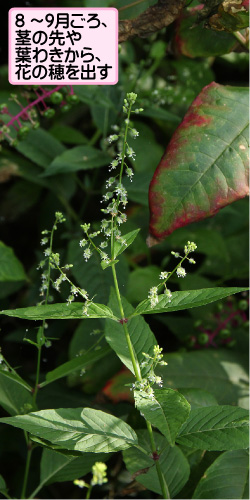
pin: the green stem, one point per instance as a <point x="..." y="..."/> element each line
<point x="137" y="371"/>
<point x="27" y="468"/>
<point x="164" y="488"/>
<point x="38" y="366"/>
<point x="89" y="492"/>
<point x="240" y="39"/>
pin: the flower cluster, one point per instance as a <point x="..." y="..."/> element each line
<point x="164" y="275"/>
<point x="115" y="197"/>
<point x="52" y="260"/>
<point x="149" y="365"/>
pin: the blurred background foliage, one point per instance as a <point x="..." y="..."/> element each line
<point x="63" y="166"/>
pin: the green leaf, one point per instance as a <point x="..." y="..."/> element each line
<point x="74" y="365"/>
<point x="61" y="311"/>
<point x="78" y="158"/>
<point x="216" y="428"/>
<point x="57" y="467"/>
<point x="140" y="281"/>
<point x="127" y="239"/>
<point x="67" y="134"/>
<point x="40" y="147"/>
<point x="205" y="164"/>
<point x="15" y="396"/>
<point x="198" y="397"/>
<point x="186" y="300"/>
<point x="222" y="372"/>
<point x="78" y="429"/>
<point x="167" y="411"/>
<point x="11" y="268"/>
<point x="148" y="151"/>
<point x="141" y="336"/>
<point x="3" y="487"/>
<point x="173" y="464"/>
<point x="195" y="41"/>
<point x="227" y="477"/>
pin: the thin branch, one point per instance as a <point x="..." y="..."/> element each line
<point x="153" y="19"/>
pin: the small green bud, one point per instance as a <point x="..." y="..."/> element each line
<point x="203" y="338"/>
<point x="56" y="98"/>
<point x="72" y="98"/>
<point x="23" y="131"/>
<point x="49" y="113"/>
<point x="225" y="333"/>
<point x="243" y="305"/>
<point x="65" y="108"/>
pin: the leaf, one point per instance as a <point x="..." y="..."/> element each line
<point x="167" y="411"/>
<point x="85" y="430"/>
<point x="204" y="167"/>
<point x="227" y="477"/>
<point x="57" y="467"/>
<point x="186" y="300"/>
<point x="74" y="365"/>
<point x="173" y="464"/>
<point x="61" y="311"/>
<point x="198" y="397"/>
<point x="148" y="151"/>
<point x="127" y="239"/>
<point x="3" y="487"/>
<point x="67" y="134"/>
<point x="15" y="396"/>
<point x="140" y="281"/>
<point x="11" y="268"/>
<point x="40" y="147"/>
<point x="194" y="41"/>
<point x="216" y="428"/>
<point x="231" y="16"/>
<point x="141" y="336"/>
<point x="78" y="158"/>
<point x="222" y="372"/>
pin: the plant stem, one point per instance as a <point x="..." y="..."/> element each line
<point x="164" y="488"/>
<point x="240" y="39"/>
<point x="38" y="369"/>
<point x="137" y="371"/>
<point x="89" y="492"/>
<point x="26" y="472"/>
<point x="130" y="5"/>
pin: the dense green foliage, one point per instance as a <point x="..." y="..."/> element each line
<point x="82" y="377"/>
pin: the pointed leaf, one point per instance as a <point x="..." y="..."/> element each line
<point x="127" y="239"/>
<point x="58" y="467"/>
<point x="227" y="477"/>
<point x="15" y="395"/>
<point x="222" y="372"/>
<point x="186" y="300"/>
<point x="167" y="411"/>
<point x="77" y="429"/>
<point x="75" y="364"/>
<point x="216" y="428"/>
<point x="142" y="338"/>
<point x="205" y="165"/>
<point x="78" y="158"/>
<point x="61" y="311"/>
<point x="174" y="464"/>
<point x="11" y="268"/>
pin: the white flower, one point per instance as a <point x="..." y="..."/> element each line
<point x="87" y="254"/>
<point x="190" y="247"/>
<point x="181" y="273"/>
<point x="167" y="293"/>
<point x="163" y="275"/>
